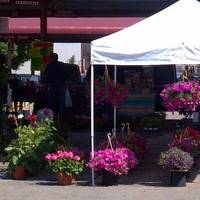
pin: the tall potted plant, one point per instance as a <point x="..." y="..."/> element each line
<point x="178" y="162"/>
<point x="28" y="150"/>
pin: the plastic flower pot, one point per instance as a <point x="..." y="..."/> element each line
<point x="109" y="179"/>
<point x="64" y="179"/>
<point x="188" y="175"/>
<point x="178" y="178"/>
<point x="19" y="173"/>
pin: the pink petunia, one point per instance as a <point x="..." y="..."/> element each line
<point x="77" y="158"/>
<point x="48" y="157"/>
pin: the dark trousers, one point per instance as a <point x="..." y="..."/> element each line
<point x="56" y="99"/>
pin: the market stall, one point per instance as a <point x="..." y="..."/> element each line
<point x="168" y="37"/>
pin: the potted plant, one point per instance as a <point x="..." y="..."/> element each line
<point x="112" y="163"/>
<point x="66" y="164"/>
<point x="18" y="162"/>
<point x="178" y="162"/>
<point x="28" y="149"/>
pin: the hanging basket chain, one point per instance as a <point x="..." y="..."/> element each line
<point x="106" y="74"/>
<point x="109" y="135"/>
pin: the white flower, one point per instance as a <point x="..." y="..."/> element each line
<point x="21" y="116"/>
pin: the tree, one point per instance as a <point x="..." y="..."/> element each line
<point x="20" y="53"/>
<point x="72" y="60"/>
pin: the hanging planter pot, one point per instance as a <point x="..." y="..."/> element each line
<point x="19" y="173"/>
<point x="178" y="178"/>
<point x="109" y="179"/>
<point x="64" y="179"/>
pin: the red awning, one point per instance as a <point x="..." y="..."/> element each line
<point x="76" y="26"/>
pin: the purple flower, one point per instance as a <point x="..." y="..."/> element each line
<point x="181" y="96"/>
<point x="176" y="159"/>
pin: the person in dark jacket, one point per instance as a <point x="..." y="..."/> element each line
<point x="55" y="79"/>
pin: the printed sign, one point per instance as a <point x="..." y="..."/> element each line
<point x="12" y="4"/>
<point x="40" y="52"/>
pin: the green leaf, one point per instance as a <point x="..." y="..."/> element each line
<point x="15" y="160"/>
<point x="9" y="148"/>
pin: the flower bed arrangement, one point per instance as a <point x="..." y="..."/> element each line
<point x="183" y="97"/>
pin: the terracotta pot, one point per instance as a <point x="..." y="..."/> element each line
<point x="20" y="173"/>
<point x="74" y="178"/>
<point x="64" y="179"/>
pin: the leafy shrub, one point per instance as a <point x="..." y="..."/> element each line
<point x="33" y="142"/>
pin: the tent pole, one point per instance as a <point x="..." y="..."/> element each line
<point x="115" y="108"/>
<point x="92" y="118"/>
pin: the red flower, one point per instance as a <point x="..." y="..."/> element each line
<point x="106" y="91"/>
<point x="32" y="118"/>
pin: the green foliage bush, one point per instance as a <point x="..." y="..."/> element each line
<point x="33" y="143"/>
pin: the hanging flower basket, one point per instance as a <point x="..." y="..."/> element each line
<point x="109" y="178"/>
<point x="109" y="92"/>
<point x="183" y="97"/>
<point x="112" y="162"/>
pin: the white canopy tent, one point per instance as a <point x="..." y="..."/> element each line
<point x="171" y="36"/>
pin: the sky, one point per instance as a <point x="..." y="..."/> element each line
<point x="67" y="50"/>
<point x="64" y="51"/>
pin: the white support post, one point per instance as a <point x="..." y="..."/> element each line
<point x="92" y="119"/>
<point x="115" y="108"/>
